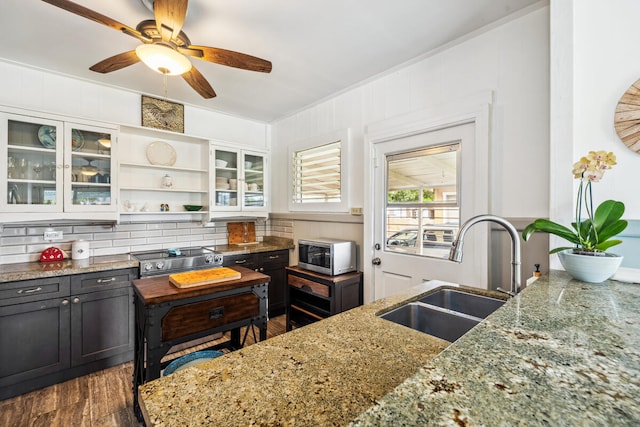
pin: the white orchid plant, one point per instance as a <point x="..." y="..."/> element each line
<point x="592" y="234"/>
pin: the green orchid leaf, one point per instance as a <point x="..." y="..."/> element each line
<point x="606" y="245"/>
<point x="611" y="230"/>
<point x="546" y="226"/>
<point x="608" y="212"/>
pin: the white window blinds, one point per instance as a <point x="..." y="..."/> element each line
<point x="316" y="174"/>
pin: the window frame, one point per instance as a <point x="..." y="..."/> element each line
<point x="344" y="137"/>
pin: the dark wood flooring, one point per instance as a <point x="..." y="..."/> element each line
<point x="103" y="398"/>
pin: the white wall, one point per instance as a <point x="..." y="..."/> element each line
<point x="33" y="89"/>
<point x="606" y="63"/>
<point x="593" y="63"/>
<point x="511" y="59"/>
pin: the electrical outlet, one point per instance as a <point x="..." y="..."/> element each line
<point x="52" y="235"/>
<point x="355" y="211"/>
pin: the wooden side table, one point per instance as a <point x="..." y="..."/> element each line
<point x="313" y="296"/>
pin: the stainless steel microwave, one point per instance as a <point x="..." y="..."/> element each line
<point x="327" y="256"/>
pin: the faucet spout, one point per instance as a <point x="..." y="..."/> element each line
<point x="455" y="254"/>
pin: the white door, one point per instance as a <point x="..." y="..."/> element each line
<point x="445" y="162"/>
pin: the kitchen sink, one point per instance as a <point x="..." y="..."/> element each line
<point x="445" y="313"/>
<point x="462" y="302"/>
<point x="432" y="320"/>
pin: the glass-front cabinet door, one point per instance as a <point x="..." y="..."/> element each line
<point x="226" y="185"/>
<point x="254" y="181"/>
<point x="88" y="170"/>
<point x="31" y="164"/>
<point x="52" y="166"/>
<point x="239" y="180"/>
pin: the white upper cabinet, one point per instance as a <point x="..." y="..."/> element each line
<point x="239" y="182"/>
<point x="55" y="169"/>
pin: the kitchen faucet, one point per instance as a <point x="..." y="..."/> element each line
<point x="456" y="247"/>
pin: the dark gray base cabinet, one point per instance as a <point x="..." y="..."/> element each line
<point x="55" y="329"/>
<point x="272" y="264"/>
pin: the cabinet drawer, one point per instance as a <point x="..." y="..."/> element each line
<point x="34" y="290"/>
<point x="275" y="259"/>
<point x="309" y="286"/>
<point x="201" y="316"/>
<point x="111" y="279"/>
<point x="249" y="261"/>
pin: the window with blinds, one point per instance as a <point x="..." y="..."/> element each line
<point x="317" y="174"/>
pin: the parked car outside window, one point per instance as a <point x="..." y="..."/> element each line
<point x="432" y="236"/>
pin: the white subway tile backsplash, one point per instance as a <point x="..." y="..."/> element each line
<point x="41" y="230"/>
<point x="111" y="236"/>
<point x="111" y="251"/>
<point x="130" y="227"/>
<point x="25" y="243"/>
<point x="173" y="232"/>
<point x="161" y="226"/>
<point x="162" y="240"/>
<point x="92" y="228"/>
<point x="145" y="234"/>
<point x="17" y="231"/>
<point x="129" y="242"/>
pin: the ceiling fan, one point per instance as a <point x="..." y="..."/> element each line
<point x="165" y="47"/>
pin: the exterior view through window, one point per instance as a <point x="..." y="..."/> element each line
<point x="422" y="208"/>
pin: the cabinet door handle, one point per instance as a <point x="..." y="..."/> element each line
<point x="241" y="261"/>
<point x="76" y="300"/>
<point x="112" y="279"/>
<point x="274" y="256"/>
<point x="65" y="302"/>
<point x="29" y="291"/>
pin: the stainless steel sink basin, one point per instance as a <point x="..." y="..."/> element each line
<point x="444" y="313"/>
<point x="462" y="302"/>
<point x="432" y="320"/>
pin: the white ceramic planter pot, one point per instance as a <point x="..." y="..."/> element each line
<point x="589" y="268"/>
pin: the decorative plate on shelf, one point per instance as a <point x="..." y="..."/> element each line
<point x="161" y="153"/>
<point x="77" y="140"/>
<point x="47" y="137"/>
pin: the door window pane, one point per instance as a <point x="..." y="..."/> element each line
<point x="422" y="207"/>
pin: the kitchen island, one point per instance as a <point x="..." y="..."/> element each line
<point x="562" y="352"/>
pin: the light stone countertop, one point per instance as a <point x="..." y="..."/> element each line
<point x="39" y="270"/>
<point x="562" y="352"/>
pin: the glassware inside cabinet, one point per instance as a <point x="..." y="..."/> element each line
<point x="90" y="167"/>
<point x="254" y="180"/>
<point x="226" y="178"/>
<point x="31" y="163"/>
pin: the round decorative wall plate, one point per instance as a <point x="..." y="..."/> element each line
<point x="161" y="153"/>
<point x="627" y="117"/>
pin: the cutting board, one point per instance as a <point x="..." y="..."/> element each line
<point x="237" y="233"/>
<point x="203" y="277"/>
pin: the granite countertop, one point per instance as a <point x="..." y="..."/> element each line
<point x="268" y="243"/>
<point x="39" y="270"/>
<point x="561" y="352"/>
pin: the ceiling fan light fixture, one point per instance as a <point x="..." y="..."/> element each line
<point x="163" y="59"/>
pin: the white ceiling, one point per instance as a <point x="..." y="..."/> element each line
<point x="317" y="48"/>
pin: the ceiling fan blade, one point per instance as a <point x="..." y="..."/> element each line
<point x="96" y="17"/>
<point x="197" y="81"/>
<point x="116" y="62"/>
<point x="169" y="16"/>
<point x="231" y="58"/>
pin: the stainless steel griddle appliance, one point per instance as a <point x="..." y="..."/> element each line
<point x="169" y="261"/>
